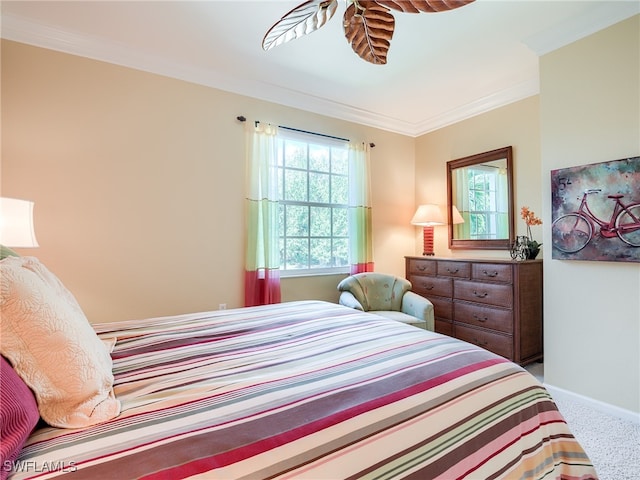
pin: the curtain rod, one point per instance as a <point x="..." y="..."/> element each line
<point x="242" y="118"/>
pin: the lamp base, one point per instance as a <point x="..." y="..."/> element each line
<point x="427" y="238"/>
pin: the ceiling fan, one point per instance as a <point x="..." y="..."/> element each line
<point x="368" y="24"/>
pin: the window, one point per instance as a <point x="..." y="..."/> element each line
<point x="484" y="204"/>
<point x="313" y="178"/>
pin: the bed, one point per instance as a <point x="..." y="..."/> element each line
<point x="306" y="390"/>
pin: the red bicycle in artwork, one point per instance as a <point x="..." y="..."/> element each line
<point x="572" y="232"/>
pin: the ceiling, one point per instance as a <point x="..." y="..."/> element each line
<point x="442" y="67"/>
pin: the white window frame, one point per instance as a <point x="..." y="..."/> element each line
<point x="283" y="136"/>
<point x="489" y="215"/>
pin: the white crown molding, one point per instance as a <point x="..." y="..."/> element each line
<point x="32" y="33"/>
<point x="25" y="31"/>
<point x="506" y="96"/>
<point x="579" y="27"/>
<point x="322" y="106"/>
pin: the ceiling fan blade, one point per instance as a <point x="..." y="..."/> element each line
<point x="428" y="6"/>
<point x="305" y="18"/>
<point x="369" y="27"/>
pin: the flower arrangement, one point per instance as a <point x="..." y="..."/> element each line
<point x="530" y="219"/>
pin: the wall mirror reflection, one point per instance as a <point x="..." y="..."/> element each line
<point x="481" y="188"/>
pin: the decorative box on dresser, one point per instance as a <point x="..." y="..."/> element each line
<point x="496" y="304"/>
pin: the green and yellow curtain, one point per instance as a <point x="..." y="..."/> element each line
<point x="262" y="260"/>
<point x="360" y="233"/>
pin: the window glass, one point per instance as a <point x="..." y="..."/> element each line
<point x="483" y="202"/>
<point x="313" y="210"/>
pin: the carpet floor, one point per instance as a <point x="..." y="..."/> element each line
<point x="612" y="444"/>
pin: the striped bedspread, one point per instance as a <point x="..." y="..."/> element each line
<point x="309" y="390"/>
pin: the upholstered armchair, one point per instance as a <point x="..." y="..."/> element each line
<point x="388" y="296"/>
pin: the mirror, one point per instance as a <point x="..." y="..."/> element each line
<point x="481" y="188"/>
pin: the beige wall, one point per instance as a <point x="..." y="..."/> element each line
<point x="138" y="182"/>
<point x="590" y="112"/>
<point x="516" y="125"/>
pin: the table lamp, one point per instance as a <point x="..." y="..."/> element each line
<point x="16" y="223"/>
<point x="428" y="216"/>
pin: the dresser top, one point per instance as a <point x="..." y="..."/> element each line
<point x="474" y="260"/>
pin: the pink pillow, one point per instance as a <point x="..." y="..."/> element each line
<point x="18" y="416"/>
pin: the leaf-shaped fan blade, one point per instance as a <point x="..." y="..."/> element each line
<point x="428" y="6"/>
<point x="369" y="26"/>
<point x="305" y="18"/>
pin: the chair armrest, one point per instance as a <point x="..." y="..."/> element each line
<point x="348" y="300"/>
<point x="417" y="306"/>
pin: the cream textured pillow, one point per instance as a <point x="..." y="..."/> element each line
<point x="52" y="346"/>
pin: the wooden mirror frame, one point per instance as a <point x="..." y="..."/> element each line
<point x="497" y="244"/>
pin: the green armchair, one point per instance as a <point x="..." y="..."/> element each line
<point x="388" y="296"/>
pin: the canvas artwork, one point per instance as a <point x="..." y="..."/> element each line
<point x="596" y="211"/>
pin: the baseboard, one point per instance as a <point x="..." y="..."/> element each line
<point x="622" y="413"/>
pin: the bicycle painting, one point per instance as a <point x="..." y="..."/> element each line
<point x="596" y="211"/>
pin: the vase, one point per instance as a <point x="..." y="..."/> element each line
<point x="519" y="250"/>
<point x="531" y="253"/>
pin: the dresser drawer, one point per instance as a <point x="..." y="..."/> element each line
<point x="454" y="269"/>
<point x="487" y="317"/>
<point x="494" y="272"/>
<point x="432" y="286"/>
<point x="422" y="267"/>
<point x="442" y="307"/>
<point x="494" y="342"/>
<point x="481" y="292"/>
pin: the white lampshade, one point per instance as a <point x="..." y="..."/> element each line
<point x="429" y="215"/>
<point x="457" y="218"/>
<point x="16" y="223"/>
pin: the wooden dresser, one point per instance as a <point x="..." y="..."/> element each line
<point x="496" y="304"/>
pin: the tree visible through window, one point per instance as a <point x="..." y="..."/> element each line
<point x="483" y="202"/>
<point x="313" y="177"/>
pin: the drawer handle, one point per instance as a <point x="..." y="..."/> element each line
<point x="490" y="274"/>
<point x="478" y="342"/>
<point x="453" y="270"/>
<point x="480" y="295"/>
<point x="427" y="286"/>
<point x="479" y="318"/>
<point x="422" y="268"/>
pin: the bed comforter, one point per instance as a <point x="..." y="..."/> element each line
<point x="309" y="390"/>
